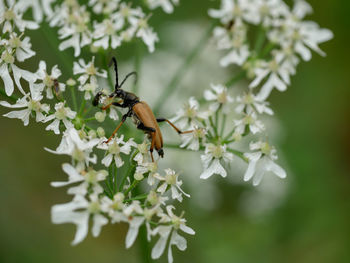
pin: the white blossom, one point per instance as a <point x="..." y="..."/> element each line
<point x="77" y="148"/>
<point x="30" y="103"/>
<point x="62" y="113"/>
<point x="211" y="160"/>
<point x="49" y="82"/>
<point x="262" y="161"/>
<point x="114" y="148"/>
<point x="220" y="97"/>
<point x="189" y="115"/>
<point x="177" y="223"/>
<point x="171" y="179"/>
<point x="78" y="212"/>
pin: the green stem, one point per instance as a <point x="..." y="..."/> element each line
<point x="223" y="125"/>
<point x="267" y="49"/>
<point x="90" y="119"/>
<point x="82" y="106"/>
<point x="132" y="186"/>
<point x="174" y="83"/>
<point x="130" y="171"/>
<point x="238" y="154"/>
<point x="74" y="99"/>
<point x="12" y="98"/>
<point x="260" y="40"/>
<point x="214" y="126"/>
<point x="139" y="197"/>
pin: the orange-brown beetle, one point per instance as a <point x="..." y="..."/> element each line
<point x="139" y="110"/>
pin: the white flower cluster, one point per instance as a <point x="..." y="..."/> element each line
<point x="110" y="195"/>
<point x="115" y="203"/>
<point x="283" y="39"/>
<point x="210" y="133"/>
<point x="79" y="26"/>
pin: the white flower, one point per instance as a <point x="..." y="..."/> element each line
<point x="114" y="147"/>
<point x="278" y="77"/>
<point x="49" y="82"/>
<point x="219" y="95"/>
<point x="77" y="148"/>
<point x="135" y="219"/>
<point x="192" y="140"/>
<point x="78" y="212"/>
<point x="166" y="5"/>
<point x="150" y="168"/>
<point x="143" y="155"/>
<point x="7" y="61"/>
<point x="103" y="6"/>
<point x="106" y="32"/>
<point x="31" y="104"/>
<point x="250" y="120"/>
<point x="177" y="223"/>
<point x="64" y="114"/>
<point x="22" y="47"/>
<point x="114" y="207"/>
<point x="171" y="179"/>
<point x="249" y="102"/>
<point x="189" y="115"/>
<point x="262" y="161"/>
<point x="88" y="76"/>
<point x="87" y="178"/>
<point x="233" y="39"/>
<point x="38" y="9"/>
<point x="12" y="17"/>
<point x="74" y="29"/>
<point x="211" y="160"/>
<point x="145" y="32"/>
<point x="236" y="10"/>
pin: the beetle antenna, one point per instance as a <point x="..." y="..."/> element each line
<point x="127" y="76"/>
<point x="114" y="61"/>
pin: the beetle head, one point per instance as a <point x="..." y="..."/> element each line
<point x="119" y="93"/>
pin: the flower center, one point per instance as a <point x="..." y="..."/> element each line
<point x="34" y="105"/>
<point x="91" y="70"/>
<point x="78" y="155"/>
<point x="273" y="65"/>
<point x="7" y="57"/>
<point x="61" y="113"/>
<point x="171" y="179"/>
<point x="9" y="15"/>
<point x="114" y="148"/>
<point x="48" y="82"/>
<point x="217" y="151"/>
<point x="265" y="148"/>
<point x="15" y="42"/>
<point x="94" y="208"/>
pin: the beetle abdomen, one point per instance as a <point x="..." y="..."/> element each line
<point x="144" y="113"/>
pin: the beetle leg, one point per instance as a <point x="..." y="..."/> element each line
<point x="107" y="106"/>
<point x="141" y="126"/>
<point x="120" y="124"/>
<point x="152" y="145"/>
<point x="172" y="125"/>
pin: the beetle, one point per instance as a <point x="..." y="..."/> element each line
<point x="141" y="113"/>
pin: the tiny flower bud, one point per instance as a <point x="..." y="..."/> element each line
<point x="71" y="82"/>
<point x="100" y="116"/>
<point x="100" y="132"/>
<point x="92" y="134"/>
<point x="138" y="176"/>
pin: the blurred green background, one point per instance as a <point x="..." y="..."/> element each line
<point x="310" y="224"/>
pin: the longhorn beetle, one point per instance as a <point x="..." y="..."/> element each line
<point x="140" y="111"/>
